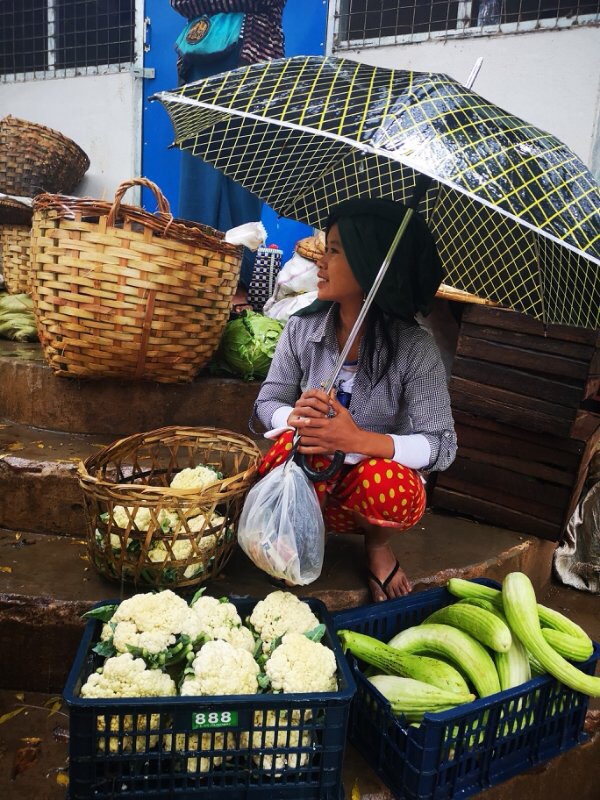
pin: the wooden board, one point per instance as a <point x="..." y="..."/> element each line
<point x="495" y="514"/>
<point x="526" y="341"/>
<point x="520" y="381"/>
<point x="511" y="489"/>
<point x="525" y="324"/>
<point x="524" y="412"/>
<point x="533" y="477"/>
<point x="471" y="345"/>
<point x="497" y="437"/>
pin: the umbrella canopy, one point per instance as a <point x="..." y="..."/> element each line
<point x="514" y="212"/>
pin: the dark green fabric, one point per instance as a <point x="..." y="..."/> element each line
<point x="367" y="228"/>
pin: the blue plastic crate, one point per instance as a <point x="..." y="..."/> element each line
<point x="148" y="747"/>
<point x="463" y="751"/>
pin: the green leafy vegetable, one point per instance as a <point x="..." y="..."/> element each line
<point x="103" y="613"/>
<point x="247" y="346"/>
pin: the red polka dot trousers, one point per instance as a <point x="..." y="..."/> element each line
<point x="377" y="490"/>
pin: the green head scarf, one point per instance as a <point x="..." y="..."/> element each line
<point x="367" y="228"/>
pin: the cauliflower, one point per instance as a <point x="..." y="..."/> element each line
<point x="219" y="620"/>
<point x="197" y="524"/>
<point x="126" y="676"/>
<point x="123" y="516"/>
<point x="115" y="541"/>
<point x="220" y="668"/>
<point x="279" y="731"/>
<point x="150" y="621"/>
<point x="199" y="477"/>
<point x="280" y="613"/>
<point x="301" y="665"/>
<point x="127" y="744"/>
<point x="207" y="743"/>
<point x="183" y="549"/>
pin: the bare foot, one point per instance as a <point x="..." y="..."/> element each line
<point x="386" y="578"/>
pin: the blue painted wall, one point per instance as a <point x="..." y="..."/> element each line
<point x="304" y="26"/>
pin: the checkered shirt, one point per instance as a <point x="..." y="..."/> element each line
<point x="411" y="397"/>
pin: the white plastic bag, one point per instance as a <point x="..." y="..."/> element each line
<point x="297" y="275"/>
<point x="283" y="309"/>
<point x="281" y="527"/>
<point x="250" y="234"/>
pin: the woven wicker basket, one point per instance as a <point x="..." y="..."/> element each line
<point x="141" y="530"/>
<point x="34" y="158"/>
<point x="15" y="245"/>
<point x="313" y="247"/>
<point x="15" y="212"/>
<point x="120" y="292"/>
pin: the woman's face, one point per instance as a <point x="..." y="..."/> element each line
<point x="336" y="279"/>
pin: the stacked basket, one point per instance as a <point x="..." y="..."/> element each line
<point x="33" y="158"/>
<point x="119" y="292"/>
<point x="15" y="244"/>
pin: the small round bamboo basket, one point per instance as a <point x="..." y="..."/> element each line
<point x="119" y="292"/>
<point x="35" y="158"/>
<point x="15" y="245"/>
<point x="140" y="530"/>
<point x="312" y="248"/>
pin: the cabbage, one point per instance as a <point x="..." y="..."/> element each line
<point x="247" y="346"/>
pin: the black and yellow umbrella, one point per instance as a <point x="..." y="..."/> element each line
<point x="514" y="212"/>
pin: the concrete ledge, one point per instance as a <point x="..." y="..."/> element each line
<point x="39" y="489"/>
<point x="51" y="583"/>
<point x="30" y="394"/>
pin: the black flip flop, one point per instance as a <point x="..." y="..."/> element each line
<point x="383" y="584"/>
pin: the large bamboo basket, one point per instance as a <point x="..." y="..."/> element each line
<point x="165" y="537"/>
<point x="15" y="246"/>
<point x="119" y="292"/>
<point x="35" y="158"/>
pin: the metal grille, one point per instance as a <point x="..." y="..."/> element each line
<point x="369" y="23"/>
<point x="56" y="38"/>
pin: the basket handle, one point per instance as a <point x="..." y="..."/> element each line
<point x="163" y="203"/>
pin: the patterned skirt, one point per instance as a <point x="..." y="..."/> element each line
<point x="377" y="490"/>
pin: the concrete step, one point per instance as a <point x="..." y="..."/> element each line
<point x="38" y="479"/>
<point x="47" y="582"/>
<point x="30" y="394"/>
<point x="39" y="489"/>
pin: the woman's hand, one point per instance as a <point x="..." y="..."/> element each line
<point x="312" y="404"/>
<point x="322" y="434"/>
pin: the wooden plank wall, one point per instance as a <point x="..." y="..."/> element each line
<point x="527" y="417"/>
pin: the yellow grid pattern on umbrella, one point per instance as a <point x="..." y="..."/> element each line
<point x="308" y="132"/>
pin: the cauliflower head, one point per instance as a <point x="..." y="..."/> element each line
<point x="182" y="549"/>
<point x="126" y="676"/>
<point x="123" y="516"/>
<point x="280" y="613"/>
<point x="220" y="668"/>
<point x="207" y="743"/>
<point x="199" y="477"/>
<point x="129" y="744"/>
<point x="301" y="665"/>
<point x="274" y="730"/>
<point x="150" y="621"/>
<point x="217" y="620"/>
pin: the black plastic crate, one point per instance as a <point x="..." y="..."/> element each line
<point x="287" y="746"/>
<point x="463" y="751"/>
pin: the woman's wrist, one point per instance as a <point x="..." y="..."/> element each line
<point x="375" y="445"/>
